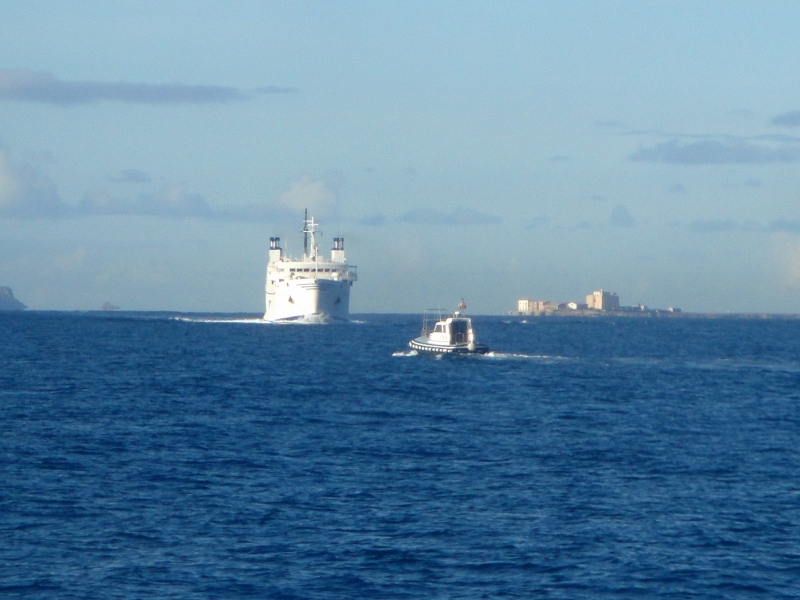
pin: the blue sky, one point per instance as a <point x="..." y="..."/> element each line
<point x="464" y="149"/>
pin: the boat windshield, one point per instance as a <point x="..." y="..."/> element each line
<point x="459" y="331"/>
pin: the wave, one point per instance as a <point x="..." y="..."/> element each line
<point x="519" y="355"/>
<point x="405" y="353"/>
<point x="712" y="364"/>
<point x="728" y="364"/>
<point x="489" y="355"/>
<point x="256" y="320"/>
<point x="261" y="321"/>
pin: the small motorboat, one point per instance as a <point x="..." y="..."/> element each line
<point x="449" y="335"/>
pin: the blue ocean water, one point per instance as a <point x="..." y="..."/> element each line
<point x="149" y="455"/>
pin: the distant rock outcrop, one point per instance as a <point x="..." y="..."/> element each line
<point x="7" y="300"/>
<point x="108" y="306"/>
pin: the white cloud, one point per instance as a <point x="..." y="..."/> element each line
<point x="620" y="217"/>
<point x="26" y="193"/>
<point x="130" y="176"/>
<point x="787" y="251"/>
<point x="22" y="85"/>
<point x="719" y="152"/>
<point x="460" y="216"/>
<point x="169" y="201"/>
<point x="318" y="196"/>
<point x="74" y="260"/>
<point x="788" y="119"/>
<point x="713" y="225"/>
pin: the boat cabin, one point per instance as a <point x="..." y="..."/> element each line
<point x="454" y="330"/>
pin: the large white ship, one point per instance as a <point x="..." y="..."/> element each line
<point x="310" y="288"/>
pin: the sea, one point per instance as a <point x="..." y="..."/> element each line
<point x="166" y="455"/>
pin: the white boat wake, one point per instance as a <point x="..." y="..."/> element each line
<point x="489" y="355"/>
<point x="519" y="355"/>
<point x="260" y="321"/>
<point x="256" y="320"/>
<point x="404" y="353"/>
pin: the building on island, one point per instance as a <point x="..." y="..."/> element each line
<point x="525" y="306"/>
<point x="598" y="300"/>
<point x="601" y="300"/>
<point x="528" y="306"/>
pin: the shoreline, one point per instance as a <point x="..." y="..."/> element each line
<point x="652" y="314"/>
<point x="560" y="313"/>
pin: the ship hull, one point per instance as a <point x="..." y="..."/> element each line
<point x="310" y="300"/>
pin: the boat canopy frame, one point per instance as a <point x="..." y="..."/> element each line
<point x="431" y="316"/>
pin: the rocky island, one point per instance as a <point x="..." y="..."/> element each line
<point x="7" y="300"/>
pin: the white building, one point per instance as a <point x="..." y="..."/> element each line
<point x="525" y="306"/>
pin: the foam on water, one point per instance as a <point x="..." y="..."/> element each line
<point x="405" y="353"/>
<point x="261" y="321"/>
<point x="253" y="321"/>
<point x="521" y="355"/>
<point x="489" y="355"/>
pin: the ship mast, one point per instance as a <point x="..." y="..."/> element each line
<point x="305" y="234"/>
<point x="309" y="228"/>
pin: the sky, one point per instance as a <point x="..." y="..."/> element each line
<point x="480" y="150"/>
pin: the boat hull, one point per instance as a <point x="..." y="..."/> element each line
<point x="422" y="344"/>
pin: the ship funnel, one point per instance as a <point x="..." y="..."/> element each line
<point x="337" y="253"/>
<point x="275" y="251"/>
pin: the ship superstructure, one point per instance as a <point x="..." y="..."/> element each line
<point x="310" y="288"/>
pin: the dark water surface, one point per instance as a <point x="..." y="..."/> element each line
<point x="143" y="456"/>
